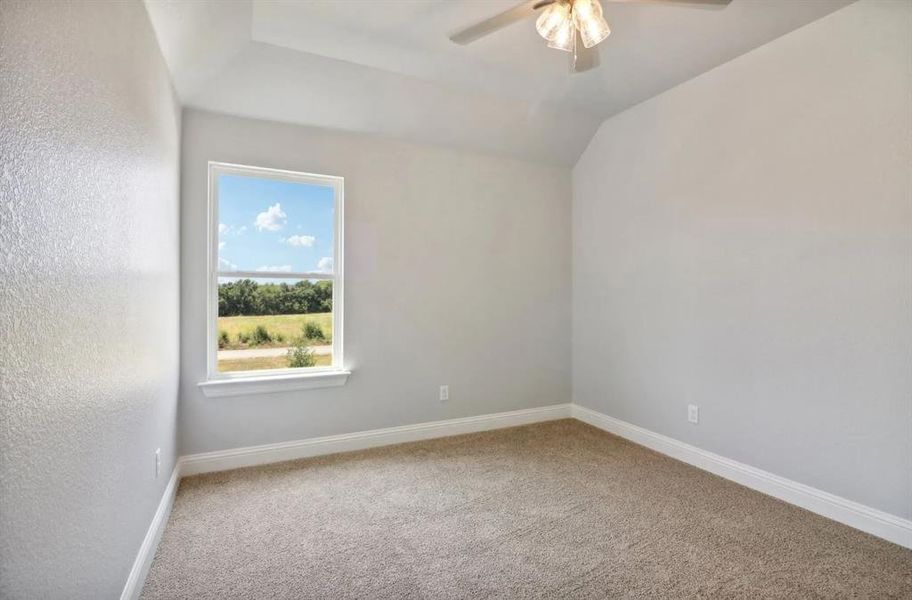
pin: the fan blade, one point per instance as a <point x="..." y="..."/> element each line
<point x="584" y="58"/>
<point x="692" y="3"/>
<point x="507" y="17"/>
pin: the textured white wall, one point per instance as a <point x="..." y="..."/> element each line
<point x="88" y="293"/>
<point x="744" y="242"/>
<point x="457" y="271"/>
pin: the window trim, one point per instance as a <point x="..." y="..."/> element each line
<point x="258" y="381"/>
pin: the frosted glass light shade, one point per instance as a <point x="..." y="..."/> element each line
<point x="552" y="20"/>
<point x="594" y="32"/>
<point x="565" y="38"/>
<point x="587" y="16"/>
<point x="584" y="10"/>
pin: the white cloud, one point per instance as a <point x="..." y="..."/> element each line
<point x="221" y="245"/>
<point x="226" y="230"/>
<point x="226" y="265"/>
<point x="275" y="268"/>
<point x="271" y="220"/>
<point x="325" y="264"/>
<point x="300" y="240"/>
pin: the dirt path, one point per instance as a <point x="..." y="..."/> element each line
<point x="266" y="352"/>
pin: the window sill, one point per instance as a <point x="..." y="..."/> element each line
<point x="268" y="384"/>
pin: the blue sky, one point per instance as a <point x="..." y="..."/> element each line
<point x="270" y="225"/>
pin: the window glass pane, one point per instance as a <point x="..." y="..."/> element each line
<point x="274" y="225"/>
<point x="273" y="324"/>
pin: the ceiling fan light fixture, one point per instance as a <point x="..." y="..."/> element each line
<point x="588" y="19"/>
<point x="552" y="20"/>
<point x="575" y="26"/>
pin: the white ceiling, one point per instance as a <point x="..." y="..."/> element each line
<point x="388" y="67"/>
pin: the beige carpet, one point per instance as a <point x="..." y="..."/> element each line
<point x="555" y="510"/>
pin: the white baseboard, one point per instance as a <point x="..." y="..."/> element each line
<point x="847" y="512"/>
<point x="137" y="577"/>
<point x="270" y="453"/>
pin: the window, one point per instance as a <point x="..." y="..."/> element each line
<point x="275" y="275"/>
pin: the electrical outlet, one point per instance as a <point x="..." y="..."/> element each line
<point x="693" y="413"/>
<point x="158" y="461"/>
<point x="444" y="393"/>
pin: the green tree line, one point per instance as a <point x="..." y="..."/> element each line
<point x="247" y="297"/>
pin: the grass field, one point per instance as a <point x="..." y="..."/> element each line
<point x="270" y="362"/>
<point x="287" y="326"/>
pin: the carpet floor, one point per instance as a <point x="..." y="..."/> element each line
<point x="552" y="510"/>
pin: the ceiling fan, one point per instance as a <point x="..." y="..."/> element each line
<point x="574" y="26"/>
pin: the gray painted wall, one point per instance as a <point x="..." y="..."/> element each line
<point x="744" y="242"/>
<point x="457" y="271"/>
<point x="88" y="293"/>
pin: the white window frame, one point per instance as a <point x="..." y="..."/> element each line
<point x="261" y="381"/>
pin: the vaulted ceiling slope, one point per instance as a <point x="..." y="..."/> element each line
<point x="387" y="66"/>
